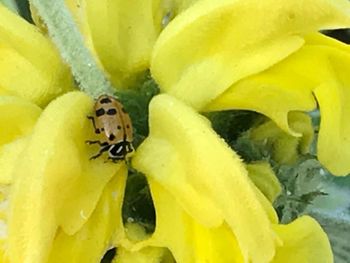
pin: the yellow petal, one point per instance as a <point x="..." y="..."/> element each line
<point x="187" y="239"/>
<point x="271" y="93"/>
<point x="265" y="179"/>
<point x="123" y="34"/>
<point x="30" y="65"/>
<point x="304" y="241"/>
<point x="3" y="256"/>
<point x="206" y="177"/>
<point x="266" y="204"/>
<point x="319" y="68"/>
<point x="17" y="118"/>
<point x="334" y="138"/>
<point x="333" y="97"/>
<point x="55" y="183"/>
<point x="213" y="44"/>
<point x="104" y="226"/>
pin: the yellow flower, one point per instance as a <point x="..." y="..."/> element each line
<point x="72" y="206"/>
<point x="239" y="62"/>
<point x="66" y="208"/>
<point x="207" y="208"/>
<point x="30" y="65"/>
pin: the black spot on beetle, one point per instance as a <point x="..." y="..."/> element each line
<point x="100" y="112"/>
<point x="102" y="129"/>
<point x="119" y="127"/>
<point x="112" y="112"/>
<point x="97" y="131"/>
<point x="111" y="137"/>
<point x="105" y="101"/>
<point x="128" y="126"/>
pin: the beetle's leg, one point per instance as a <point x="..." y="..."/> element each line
<point x="94" y="124"/>
<point x="102" y="150"/>
<point x="129" y="148"/>
<point x="98" y="142"/>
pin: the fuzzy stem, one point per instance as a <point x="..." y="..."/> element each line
<point x="70" y="43"/>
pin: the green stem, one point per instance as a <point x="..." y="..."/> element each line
<point x="69" y="41"/>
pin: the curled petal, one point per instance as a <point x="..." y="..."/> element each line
<point x="97" y="235"/>
<point x="55" y="183"/>
<point x="213" y="44"/>
<point x="29" y="63"/>
<point x="318" y="70"/>
<point x="334" y="136"/>
<point x="333" y="97"/>
<point x="186" y="157"/>
<point x="304" y="241"/>
<point x="271" y="93"/>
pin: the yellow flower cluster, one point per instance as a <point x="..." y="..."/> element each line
<point x="266" y="56"/>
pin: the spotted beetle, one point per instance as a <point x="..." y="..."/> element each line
<point x="114" y="125"/>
